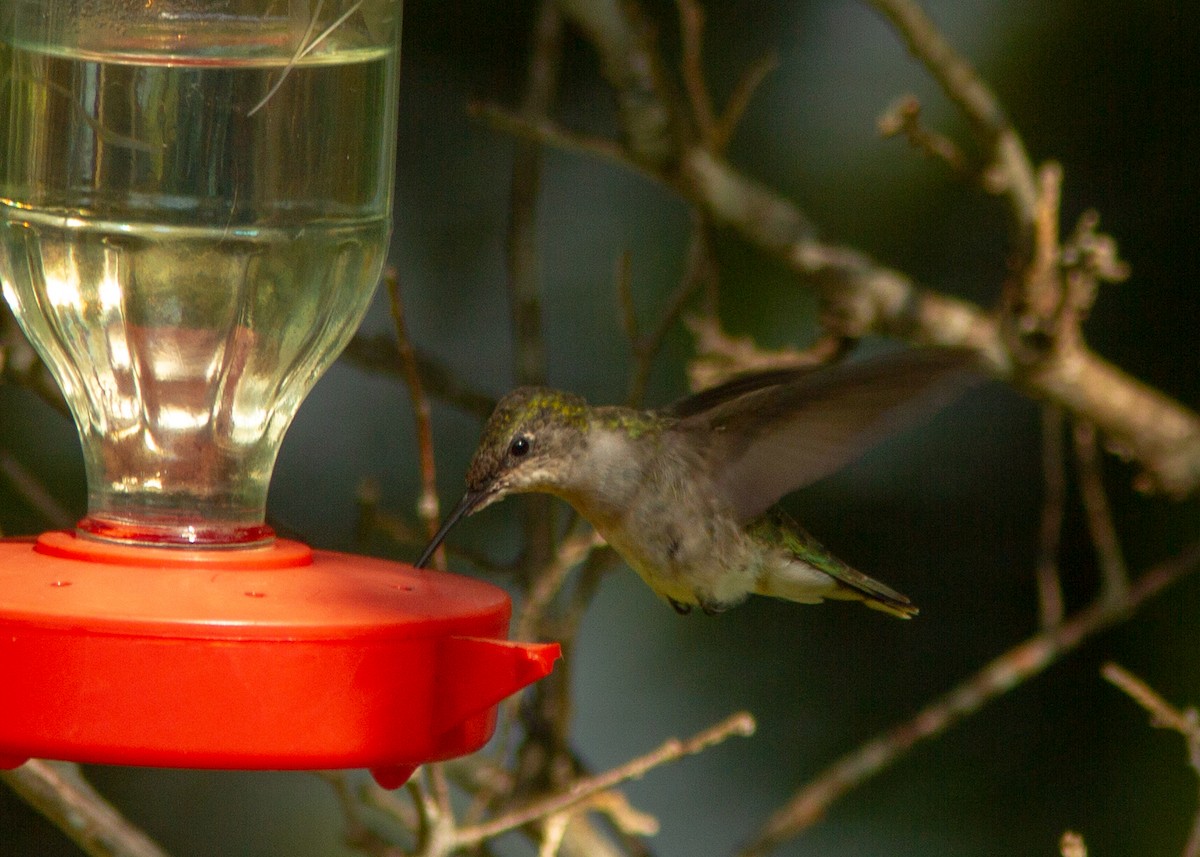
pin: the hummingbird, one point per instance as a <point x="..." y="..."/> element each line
<point x="687" y="494"/>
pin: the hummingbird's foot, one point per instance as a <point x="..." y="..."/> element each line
<point x="679" y="607"/>
<point x="712" y="608"/>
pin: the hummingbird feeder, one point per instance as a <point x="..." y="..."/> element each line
<point x="195" y="204"/>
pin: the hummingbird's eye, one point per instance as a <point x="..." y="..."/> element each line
<point x="519" y="447"/>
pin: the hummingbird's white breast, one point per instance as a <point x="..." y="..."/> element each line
<point x="651" y="499"/>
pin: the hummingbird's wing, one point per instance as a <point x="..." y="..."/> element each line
<point x="735" y="388"/>
<point x="768" y="434"/>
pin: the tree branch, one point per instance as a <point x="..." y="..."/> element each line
<point x="427" y="504"/>
<point x="380" y="353"/>
<point x="1139" y="421"/>
<point x="1012" y="668"/>
<point x="632" y="65"/>
<point x="738" y="724"/>
<point x="58" y="791"/>
<point x="966" y="88"/>
<point x="1158" y="432"/>
<point x="1165" y="716"/>
<point x="1054" y="500"/>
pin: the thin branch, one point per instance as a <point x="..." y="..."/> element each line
<point x="1114" y="575"/>
<point x="1015" y="666"/>
<point x="903" y="118"/>
<point x="598" y="563"/>
<point x="691" y="27"/>
<point x="700" y="275"/>
<point x="1192" y="848"/>
<point x="1054" y="501"/>
<point x="524" y="290"/>
<point x="436" y="830"/>
<point x="439" y="786"/>
<point x="963" y="85"/>
<point x="739" y="99"/>
<point x="359" y="834"/>
<point x="427" y="504"/>
<point x="1165" y="716"/>
<point x="1038" y="318"/>
<point x="379" y="353"/>
<point x="424" y="826"/>
<point x="719" y="355"/>
<point x="715" y="131"/>
<point x="630" y="62"/>
<point x="550" y="133"/>
<point x="58" y="791"/>
<point x="524" y="281"/>
<point x="623" y="277"/>
<point x="738" y="724"/>
<point x="572" y="550"/>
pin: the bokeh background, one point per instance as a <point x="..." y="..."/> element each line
<point x="948" y="514"/>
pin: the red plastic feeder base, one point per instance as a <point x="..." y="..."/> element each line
<point x="276" y="657"/>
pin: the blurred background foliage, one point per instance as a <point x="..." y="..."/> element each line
<point x="948" y="514"/>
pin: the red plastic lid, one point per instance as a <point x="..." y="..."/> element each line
<point x="268" y="657"/>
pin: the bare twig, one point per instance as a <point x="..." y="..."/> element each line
<point x="524" y="281"/>
<point x="379" y="353"/>
<point x="903" y="118"/>
<point x="630" y="62"/>
<point x="439" y="787"/>
<point x="58" y="791"/>
<point x="1054" y="501"/>
<point x="1162" y="714"/>
<point x="965" y="88"/>
<point x="1114" y="576"/>
<point x="623" y="277"/>
<point x="572" y="550"/>
<point x="699" y="276"/>
<point x="523" y="278"/>
<point x="738" y="724"/>
<point x="1037" y="318"/>
<point x="436" y="830"/>
<point x="739" y="99"/>
<point x="358" y="834"/>
<point x="715" y="131"/>
<point x="427" y="504"/>
<point x="1192" y="847"/>
<point x="720" y="356"/>
<point x="1165" y="716"/>
<point x="691" y="27"/>
<point x="1005" y="672"/>
<point x="550" y="133"/>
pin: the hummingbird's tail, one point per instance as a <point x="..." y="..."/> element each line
<point x="808" y="584"/>
<point x="809" y="573"/>
<point x="893" y="602"/>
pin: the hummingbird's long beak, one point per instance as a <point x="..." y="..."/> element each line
<point x="465" y="507"/>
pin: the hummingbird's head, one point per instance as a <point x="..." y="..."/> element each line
<point x="527" y="445"/>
